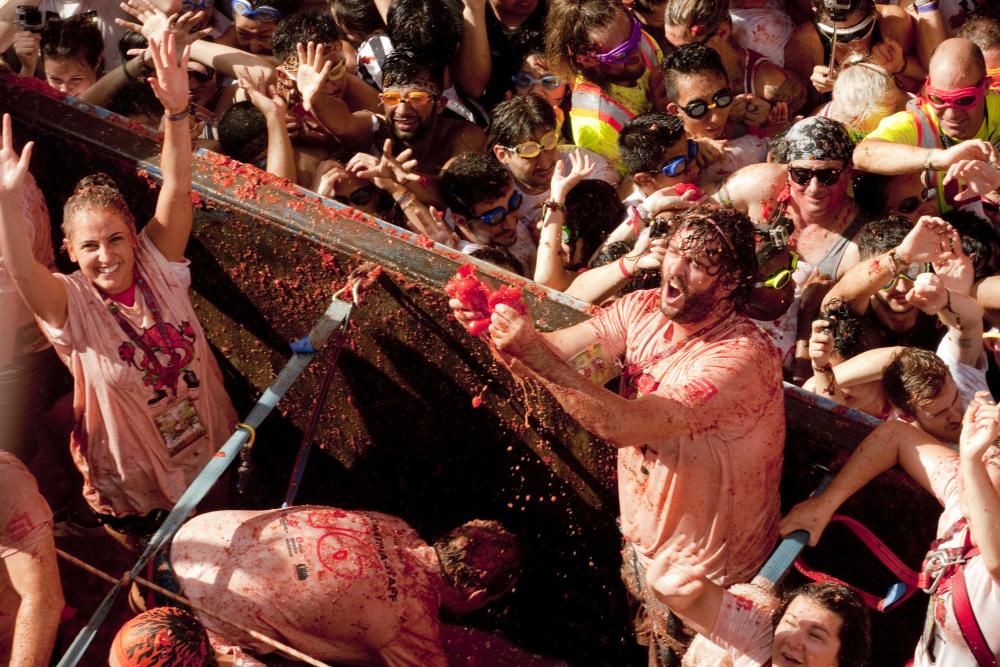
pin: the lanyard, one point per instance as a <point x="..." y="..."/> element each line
<point x="165" y="372"/>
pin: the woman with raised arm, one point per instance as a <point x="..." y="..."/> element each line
<point x="149" y="406"/>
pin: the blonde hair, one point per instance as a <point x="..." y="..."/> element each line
<point x="863" y="95"/>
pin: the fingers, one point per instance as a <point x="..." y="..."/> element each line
<point x="8" y="133"/>
<point x="300" y="51"/>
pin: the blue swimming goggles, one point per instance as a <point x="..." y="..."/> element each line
<point x="264" y="13"/>
<point x="495" y="216"/>
<point x="677" y="166"/>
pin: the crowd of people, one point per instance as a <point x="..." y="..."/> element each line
<point x="755" y="191"/>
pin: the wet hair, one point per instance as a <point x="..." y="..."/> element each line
<point x="725" y="237"/>
<point x="699" y="16"/>
<point x="824" y="15"/>
<point x="129" y="40"/>
<point x="567" y="31"/>
<point x="593" y="211"/>
<point x="77" y="37"/>
<point x="855" y="624"/>
<point x="644" y="138"/>
<point x="163" y="637"/>
<point x="690" y="60"/>
<point x="95" y="192"/>
<point x="318" y="27"/>
<point x="882" y="235"/>
<point x="984" y="32"/>
<point x="980" y="241"/>
<point x="518" y="119"/>
<point x="473" y="178"/>
<point x="359" y="17"/>
<point x="610" y="253"/>
<point x="848" y="329"/>
<point x="403" y="67"/>
<point x="913" y="378"/>
<point x="427" y="27"/>
<point x="242" y="131"/>
<point x="479" y="555"/>
<point x="136" y="98"/>
<point x="500" y="257"/>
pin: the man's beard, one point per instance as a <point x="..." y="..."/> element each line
<point x="695" y="307"/>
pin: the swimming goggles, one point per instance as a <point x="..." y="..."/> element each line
<point x="855" y="33"/>
<point x="699" y="108"/>
<point x="909" y="273"/>
<point x="495" y="216"/>
<point x="780" y="278"/>
<point x="264" y="13"/>
<point x="532" y="149"/>
<point x="525" y="80"/>
<point x="621" y="53"/>
<point x="962" y="98"/>
<point x="678" y="166"/>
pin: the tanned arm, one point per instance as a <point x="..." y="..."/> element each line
<point x="34" y="574"/>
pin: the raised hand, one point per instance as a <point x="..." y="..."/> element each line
<point x="929" y="241"/>
<point x="888" y="55"/>
<point x="171" y="81"/>
<point x="312" y="71"/>
<point x="648" y="254"/>
<point x="580" y="167"/>
<point x="955" y="268"/>
<point x="821" y="344"/>
<point x="397" y="169"/>
<point x="972" y="149"/>
<point x="677" y="573"/>
<point x="980" y="178"/>
<point x="928" y="293"/>
<point x="153" y="22"/>
<point x="755" y="109"/>
<point x="980" y="428"/>
<point x="429" y="221"/>
<point x="26" y="47"/>
<point x="263" y="96"/>
<point x="13" y="168"/>
<point x="822" y="79"/>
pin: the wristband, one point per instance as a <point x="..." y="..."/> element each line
<point x="405" y="199"/>
<point x="180" y="115"/>
<point x="823" y="369"/>
<point x="623" y="268"/>
<point x="929" y="7"/>
<point x="927" y="160"/>
<point x="552" y="205"/>
<point x="893" y="261"/>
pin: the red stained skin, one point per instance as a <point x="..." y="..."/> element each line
<point x="477" y="296"/>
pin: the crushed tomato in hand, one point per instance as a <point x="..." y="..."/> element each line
<point x="478" y="297"/>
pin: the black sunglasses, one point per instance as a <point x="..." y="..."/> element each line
<point x="699" y="108"/>
<point x="803" y="176"/>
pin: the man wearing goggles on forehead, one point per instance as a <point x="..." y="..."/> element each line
<point x="254" y="23"/>
<point x="613" y="65"/>
<point x="949" y="132"/>
<point x="524" y="134"/>
<point x="760" y="86"/>
<point x="884" y="34"/>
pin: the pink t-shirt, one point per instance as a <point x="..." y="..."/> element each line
<point x="348" y="587"/>
<point x="984" y="591"/>
<point x="141" y="434"/>
<point x="25" y="520"/>
<point x="18" y="333"/>
<point x="718" y="485"/>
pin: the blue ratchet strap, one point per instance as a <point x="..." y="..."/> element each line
<point x="335" y="315"/>
<point x="777" y="566"/>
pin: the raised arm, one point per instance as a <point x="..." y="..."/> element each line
<point x="471" y="65"/>
<point x="929" y="240"/>
<point x="280" y="154"/>
<point x="893" y="442"/>
<point x="43" y="292"/>
<point x="960" y="313"/>
<point x="550" y="262"/>
<point x="979" y="496"/>
<point x="354" y="129"/>
<point x="889" y="158"/>
<point x="170" y="227"/>
<point x="678" y="580"/>
<point x="34" y="575"/>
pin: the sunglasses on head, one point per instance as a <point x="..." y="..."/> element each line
<point x="909" y="273"/>
<point x="415" y="98"/>
<point x="525" y="80"/>
<point x="699" y="108"/>
<point x="531" y="149"/>
<point x="196" y="5"/>
<point x="962" y="98"/>
<point x="678" y="166"/>
<point x="360" y="197"/>
<point x="780" y="278"/>
<point x="495" y="216"/>
<point x="264" y="13"/>
<point x="621" y="53"/>
<point x="803" y="176"/>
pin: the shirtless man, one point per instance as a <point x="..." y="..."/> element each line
<point x="699" y="420"/>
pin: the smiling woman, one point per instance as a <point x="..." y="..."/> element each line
<point x="149" y="405"/>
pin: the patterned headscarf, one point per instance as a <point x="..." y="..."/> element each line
<point x="817" y="138"/>
<point x="163" y="637"/>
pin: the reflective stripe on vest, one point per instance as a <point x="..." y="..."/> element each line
<point x="927" y="134"/>
<point x="590" y="102"/>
